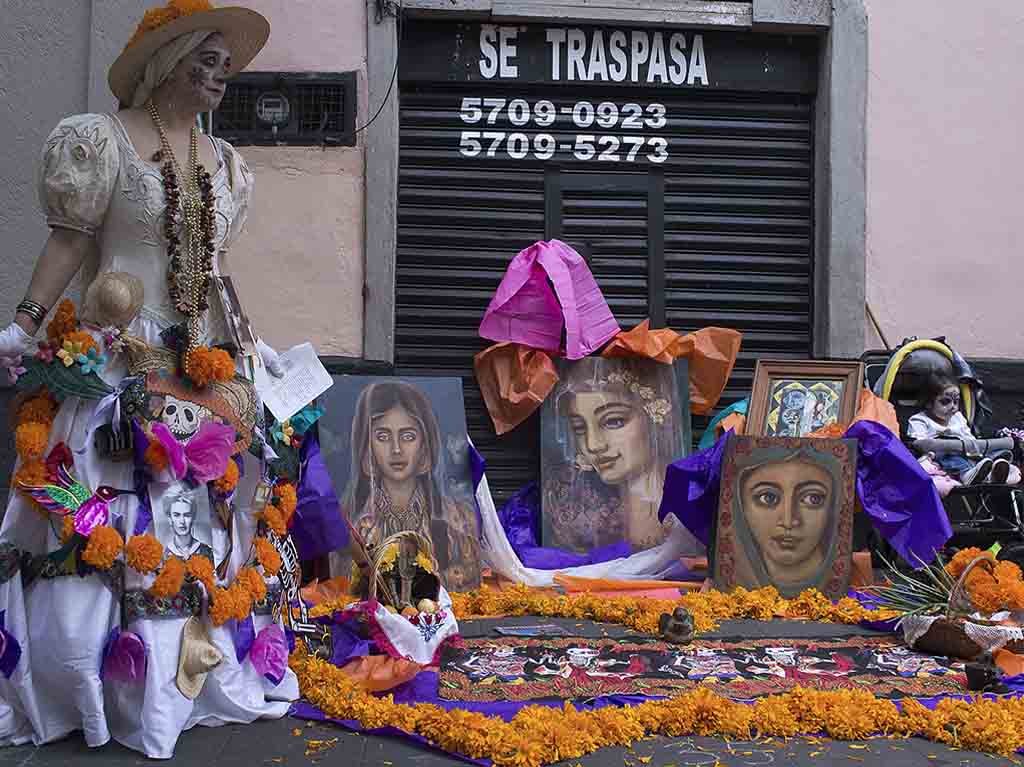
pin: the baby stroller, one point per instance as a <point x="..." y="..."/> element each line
<point x="980" y="515"/>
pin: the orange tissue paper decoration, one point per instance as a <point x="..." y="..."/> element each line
<point x="514" y="381"/>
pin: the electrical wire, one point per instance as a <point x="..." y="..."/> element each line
<point x="394" y="73"/>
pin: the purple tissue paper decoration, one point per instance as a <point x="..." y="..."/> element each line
<point x="317" y="526"/>
<point x="243" y="634"/>
<point x="525" y="310"/>
<point x="898" y="495"/>
<point x="269" y="653"/>
<point x="124" y="657"/>
<point x="10" y="649"/>
<point x="691" y="489"/>
<point x="520" y="518"/>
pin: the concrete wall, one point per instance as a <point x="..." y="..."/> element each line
<point x="945" y="172"/>
<point x="299" y="265"/>
<point x="38" y="38"/>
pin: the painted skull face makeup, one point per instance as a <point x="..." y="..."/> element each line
<point x="200" y="78"/>
<point x="945" y="405"/>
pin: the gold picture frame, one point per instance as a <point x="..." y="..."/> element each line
<point x="794" y="398"/>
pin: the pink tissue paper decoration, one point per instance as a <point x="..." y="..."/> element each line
<point x="524" y="309"/>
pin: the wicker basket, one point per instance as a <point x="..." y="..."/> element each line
<point x="951" y="635"/>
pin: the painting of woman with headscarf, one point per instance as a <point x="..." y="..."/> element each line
<point x="609" y="430"/>
<point x="785" y="515"/>
<point x="399" y="448"/>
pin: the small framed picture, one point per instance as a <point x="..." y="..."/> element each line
<point x="796" y="398"/>
<point x="182" y="519"/>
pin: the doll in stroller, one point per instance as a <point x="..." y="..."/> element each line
<point x="943" y="413"/>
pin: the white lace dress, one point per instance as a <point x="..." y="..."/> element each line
<point x="93" y="181"/>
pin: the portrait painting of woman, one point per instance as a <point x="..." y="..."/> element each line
<point x="786" y="515"/>
<point x="610" y="428"/>
<point x="399" y="475"/>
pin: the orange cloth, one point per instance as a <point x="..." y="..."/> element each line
<point x="711" y="353"/>
<point x="575" y="584"/>
<point x="514" y="380"/>
<point x="325" y="591"/>
<point x="377" y="673"/>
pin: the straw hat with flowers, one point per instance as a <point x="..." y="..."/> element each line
<point x="245" y="31"/>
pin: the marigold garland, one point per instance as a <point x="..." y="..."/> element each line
<point x="229" y="481"/>
<point x="30" y="440"/>
<point x="144" y="553"/>
<point x="252" y="583"/>
<point x="105" y="545"/>
<point x="170" y="580"/>
<point x="205" y="366"/>
<point x="222" y="608"/>
<point x="287" y="498"/>
<point x="31" y="473"/>
<point x="201" y="568"/>
<point x="540" y="735"/>
<point x="38" y="409"/>
<point x="64" y="321"/>
<point x="267" y="556"/>
<point x="67" y="528"/>
<point x="990" y="592"/>
<point x="274" y="518"/>
<point x="156" y="457"/>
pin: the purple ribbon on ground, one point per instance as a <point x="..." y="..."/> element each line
<point x="520" y="518"/>
<point x="894" y="490"/>
<point x="317" y="526"/>
<point x="243" y="634"/>
<point x="124" y="657"/>
<point x="10" y="649"/>
<point x="269" y="653"/>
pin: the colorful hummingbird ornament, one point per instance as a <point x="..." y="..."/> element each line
<point x="66" y="495"/>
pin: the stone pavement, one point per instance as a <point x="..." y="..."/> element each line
<point x="270" y="744"/>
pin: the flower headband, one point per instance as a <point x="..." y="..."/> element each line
<point x="657" y="408"/>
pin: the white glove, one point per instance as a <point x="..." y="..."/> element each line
<point x="271" y="359"/>
<point x="14" y="342"/>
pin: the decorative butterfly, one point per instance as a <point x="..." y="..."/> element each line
<point x="206" y="455"/>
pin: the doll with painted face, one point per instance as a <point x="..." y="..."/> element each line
<point x="941" y="431"/>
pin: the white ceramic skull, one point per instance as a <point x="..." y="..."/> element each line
<point x="182" y="417"/>
<point x="581" y="657"/>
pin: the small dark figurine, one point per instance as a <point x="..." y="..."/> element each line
<point x="984" y="676"/>
<point x="677" y="627"/>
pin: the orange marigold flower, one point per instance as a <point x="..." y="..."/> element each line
<point x="956" y="566"/>
<point x="252" y="582"/>
<point x="84" y="338"/>
<point x="38" y="409"/>
<point x="32" y="473"/>
<point x="144" y="553"/>
<point x="31" y="439"/>
<point x="229" y="481"/>
<point x="156" y="456"/>
<point x="1015" y="596"/>
<point x="104" y="546"/>
<point x="240" y="601"/>
<point x="204" y="366"/>
<point x="67" y="528"/>
<point x="188" y="7"/>
<point x="989" y="597"/>
<point x="201" y="568"/>
<point x="267" y="556"/>
<point x="222" y="606"/>
<point x="1007" y="571"/>
<point x="64" y="321"/>
<point x="274" y="518"/>
<point x="169" y="581"/>
<point x="287" y="498"/>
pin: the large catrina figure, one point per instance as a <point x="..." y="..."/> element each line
<point x="134" y="564"/>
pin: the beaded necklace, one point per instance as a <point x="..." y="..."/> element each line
<point x="191" y="262"/>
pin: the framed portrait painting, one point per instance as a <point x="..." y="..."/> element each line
<point x="397" y="450"/>
<point x="785" y="515"/>
<point x="609" y="429"/>
<point x="794" y="399"/>
<point x="182" y="519"/>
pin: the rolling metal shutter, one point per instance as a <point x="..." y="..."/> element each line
<point x="719" y="234"/>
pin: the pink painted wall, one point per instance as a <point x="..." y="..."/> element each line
<point x="299" y="263"/>
<point x="945" y="175"/>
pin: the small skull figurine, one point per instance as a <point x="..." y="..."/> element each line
<point x="677" y="627"/>
<point x="183" y="418"/>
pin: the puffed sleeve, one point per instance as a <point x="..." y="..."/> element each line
<point x="79" y="170"/>
<point x="241" y="180"/>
